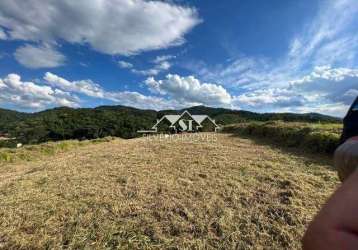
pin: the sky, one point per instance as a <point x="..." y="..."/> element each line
<point x="257" y="55"/>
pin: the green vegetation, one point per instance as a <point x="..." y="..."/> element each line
<point x="67" y="123"/>
<point x="313" y="137"/>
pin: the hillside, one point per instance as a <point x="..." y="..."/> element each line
<point x="228" y="116"/>
<point x="9" y="117"/>
<point x="221" y="192"/>
<point x="86" y="123"/>
<point x="322" y="138"/>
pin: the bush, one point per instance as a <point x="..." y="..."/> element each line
<point x="6" y="157"/>
<point x="315" y="138"/>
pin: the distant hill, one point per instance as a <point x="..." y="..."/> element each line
<point x="68" y="123"/>
<point x="9" y="117"/>
<point x="228" y="116"/>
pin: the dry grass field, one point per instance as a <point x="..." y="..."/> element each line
<point x="224" y="192"/>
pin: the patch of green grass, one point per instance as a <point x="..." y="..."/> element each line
<point x="5" y="157"/>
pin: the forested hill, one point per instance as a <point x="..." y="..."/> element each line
<point x="68" y="123"/>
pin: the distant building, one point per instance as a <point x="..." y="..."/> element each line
<point x="4" y="136"/>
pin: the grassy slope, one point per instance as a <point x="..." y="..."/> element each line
<point x="135" y="194"/>
<point x="311" y="137"/>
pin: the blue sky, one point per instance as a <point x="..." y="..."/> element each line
<point x="264" y="56"/>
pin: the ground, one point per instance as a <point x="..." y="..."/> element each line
<point x="216" y="191"/>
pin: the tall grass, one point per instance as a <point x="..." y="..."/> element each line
<point x="31" y="152"/>
<point x="316" y="138"/>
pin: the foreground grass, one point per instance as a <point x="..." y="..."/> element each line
<point x="226" y="193"/>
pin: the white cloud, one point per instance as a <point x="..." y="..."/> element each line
<point x="58" y="91"/>
<point x="161" y="64"/>
<point x="332" y="109"/>
<point x="270" y="98"/>
<point x="3" y="35"/>
<point x="189" y="89"/>
<point x="336" y="85"/>
<point x="29" y="95"/>
<point x="128" y="98"/>
<point x="341" y="51"/>
<point x="39" y="56"/>
<point x="351" y="93"/>
<point x="125" y="65"/>
<point x="86" y="87"/>
<point x="307" y="94"/>
<point x="146" y="72"/>
<point x="109" y="26"/>
<point x="135" y="99"/>
<point x="163" y="58"/>
<point x="326" y="90"/>
<point x="160" y="67"/>
<point x="264" y="84"/>
<point x="332" y="32"/>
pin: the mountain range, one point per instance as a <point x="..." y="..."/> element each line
<point x="68" y="123"/>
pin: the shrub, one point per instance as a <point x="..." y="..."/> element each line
<point x="4" y="156"/>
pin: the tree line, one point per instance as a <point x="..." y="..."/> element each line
<point x="91" y="123"/>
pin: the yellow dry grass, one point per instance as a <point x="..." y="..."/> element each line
<point x="227" y="193"/>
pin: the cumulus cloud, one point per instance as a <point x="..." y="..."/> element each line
<point x="161" y="64"/>
<point x="36" y="57"/>
<point x="122" y="27"/>
<point x="146" y="72"/>
<point x="190" y="89"/>
<point x="125" y="65"/>
<point x="300" y="79"/>
<point x="334" y="84"/>
<point x="86" y="87"/>
<point x="163" y="58"/>
<point x="329" y="38"/>
<point x="327" y="90"/>
<point x="91" y="89"/>
<point x="3" y="35"/>
<point x="29" y="95"/>
<point x="160" y="67"/>
<point x="270" y="98"/>
<point x="165" y="65"/>
<point x="307" y="94"/>
<point x="58" y="91"/>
